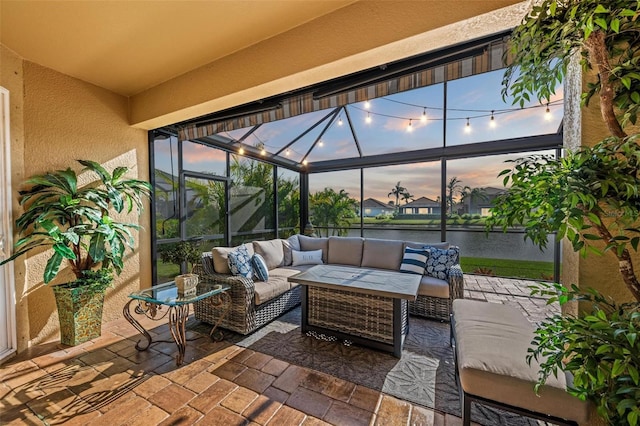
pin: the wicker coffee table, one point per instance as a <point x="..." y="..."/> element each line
<point x="364" y="306"/>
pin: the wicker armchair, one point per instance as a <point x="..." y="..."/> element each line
<point x="244" y="316"/>
<point x="436" y="307"/>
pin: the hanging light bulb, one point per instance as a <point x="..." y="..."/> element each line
<point x="410" y="126"/>
<point x="339" y="121"/>
<point x="368" y="119"/>
<point x="320" y="143"/>
<point x="424" y="115"/>
<point x="287" y="152"/>
<point x="467" y="128"/>
<point x="547" y="113"/>
<point x="241" y="150"/>
<point x="304" y="162"/>
<point x="492" y="121"/>
<point x="263" y="151"/>
<point x="367" y="104"/>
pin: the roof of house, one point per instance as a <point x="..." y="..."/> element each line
<point x="375" y="204"/>
<point x="422" y="202"/>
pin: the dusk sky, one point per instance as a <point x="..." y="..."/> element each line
<point x="387" y="132"/>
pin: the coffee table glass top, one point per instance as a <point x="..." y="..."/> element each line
<point x="370" y="281"/>
<point x="167" y="294"/>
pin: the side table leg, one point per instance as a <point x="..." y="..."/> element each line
<point x="177" y="319"/>
<point x="127" y="314"/>
<point x="224" y="300"/>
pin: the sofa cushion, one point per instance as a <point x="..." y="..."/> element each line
<point x="291" y="243"/>
<point x="414" y="260"/>
<point x="383" y="254"/>
<point x="414" y="244"/>
<point x="267" y="290"/>
<point x="311" y="257"/>
<point x="345" y="250"/>
<point x="271" y="251"/>
<point x="221" y="254"/>
<point x="440" y="261"/>
<point x="492" y="343"/>
<point x="288" y="271"/>
<point x="240" y="262"/>
<point x="311" y="243"/>
<point x="260" y="269"/>
<point x="433" y="287"/>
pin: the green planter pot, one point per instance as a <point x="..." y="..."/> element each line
<point x="79" y="311"/>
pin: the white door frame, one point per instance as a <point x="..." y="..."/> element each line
<point x="8" y="295"/>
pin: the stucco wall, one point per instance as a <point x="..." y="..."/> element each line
<point x="65" y="119"/>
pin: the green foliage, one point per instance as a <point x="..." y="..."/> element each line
<point x="188" y="252"/>
<point x="600" y="348"/>
<point x="333" y="209"/>
<point x="76" y="222"/>
<point x="589" y="191"/>
<point x="543" y="44"/>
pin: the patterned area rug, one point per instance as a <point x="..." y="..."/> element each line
<point x="424" y="374"/>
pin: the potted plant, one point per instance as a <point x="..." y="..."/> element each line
<point x="79" y="227"/>
<point x="591" y="196"/>
<point x="187" y="252"/>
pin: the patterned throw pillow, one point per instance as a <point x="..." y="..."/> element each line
<point x="440" y="261"/>
<point x="414" y="260"/>
<point x="260" y="269"/>
<point x="240" y="262"/>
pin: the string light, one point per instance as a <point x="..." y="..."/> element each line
<point x="241" y="150"/>
<point x="467" y="128"/>
<point x="287" y="152"/>
<point x="339" y="121"/>
<point x="263" y="151"/>
<point x="547" y="113"/>
<point x="320" y="143"/>
<point x="368" y="119"/>
<point x="304" y="162"/>
<point x="410" y="126"/>
<point x="492" y="121"/>
<point x="424" y="115"/>
<point x="367" y="104"/>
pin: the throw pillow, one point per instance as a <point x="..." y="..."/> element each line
<point x="414" y="260"/>
<point x="312" y="257"/>
<point x="440" y="261"/>
<point x="260" y="267"/>
<point x="291" y="243"/>
<point x="240" y="262"/>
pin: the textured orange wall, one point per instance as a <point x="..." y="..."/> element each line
<point x="65" y="119"/>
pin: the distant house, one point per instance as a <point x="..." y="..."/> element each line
<point x="480" y="201"/>
<point x="372" y="208"/>
<point x="422" y="205"/>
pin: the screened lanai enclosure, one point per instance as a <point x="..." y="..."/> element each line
<point x="409" y="150"/>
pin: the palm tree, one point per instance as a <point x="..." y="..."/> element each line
<point x="406" y="197"/>
<point x="454" y="186"/>
<point x="469" y="195"/>
<point x="397" y="191"/>
<point x="331" y="209"/>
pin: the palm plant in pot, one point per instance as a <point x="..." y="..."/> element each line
<point x="79" y="227"/>
<point x="591" y="197"/>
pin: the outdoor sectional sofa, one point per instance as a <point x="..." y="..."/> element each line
<point x="254" y="303"/>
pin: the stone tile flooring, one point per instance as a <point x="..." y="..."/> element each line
<point x="108" y="382"/>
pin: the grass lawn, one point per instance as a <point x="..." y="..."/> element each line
<point x="508" y="268"/>
<point x="428" y="222"/>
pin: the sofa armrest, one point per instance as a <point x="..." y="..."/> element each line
<point x="456" y="282"/>
<point x="242" y="290"/>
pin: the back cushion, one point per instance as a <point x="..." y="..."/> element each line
<point x="414" y="244"/>
<point x="345" y="250"/>
<point x="290" y="244"/>
<point x="271" y="251"/>
<point x="221" y="257"/>
<point x="310" y="243"/>
<point x="383" y="254"/>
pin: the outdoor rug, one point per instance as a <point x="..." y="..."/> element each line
<point x="424" y="374"/>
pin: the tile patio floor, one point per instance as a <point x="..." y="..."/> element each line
<point x="108" y="382"/>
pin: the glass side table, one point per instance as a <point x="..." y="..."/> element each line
<point x="151" y="301"/>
